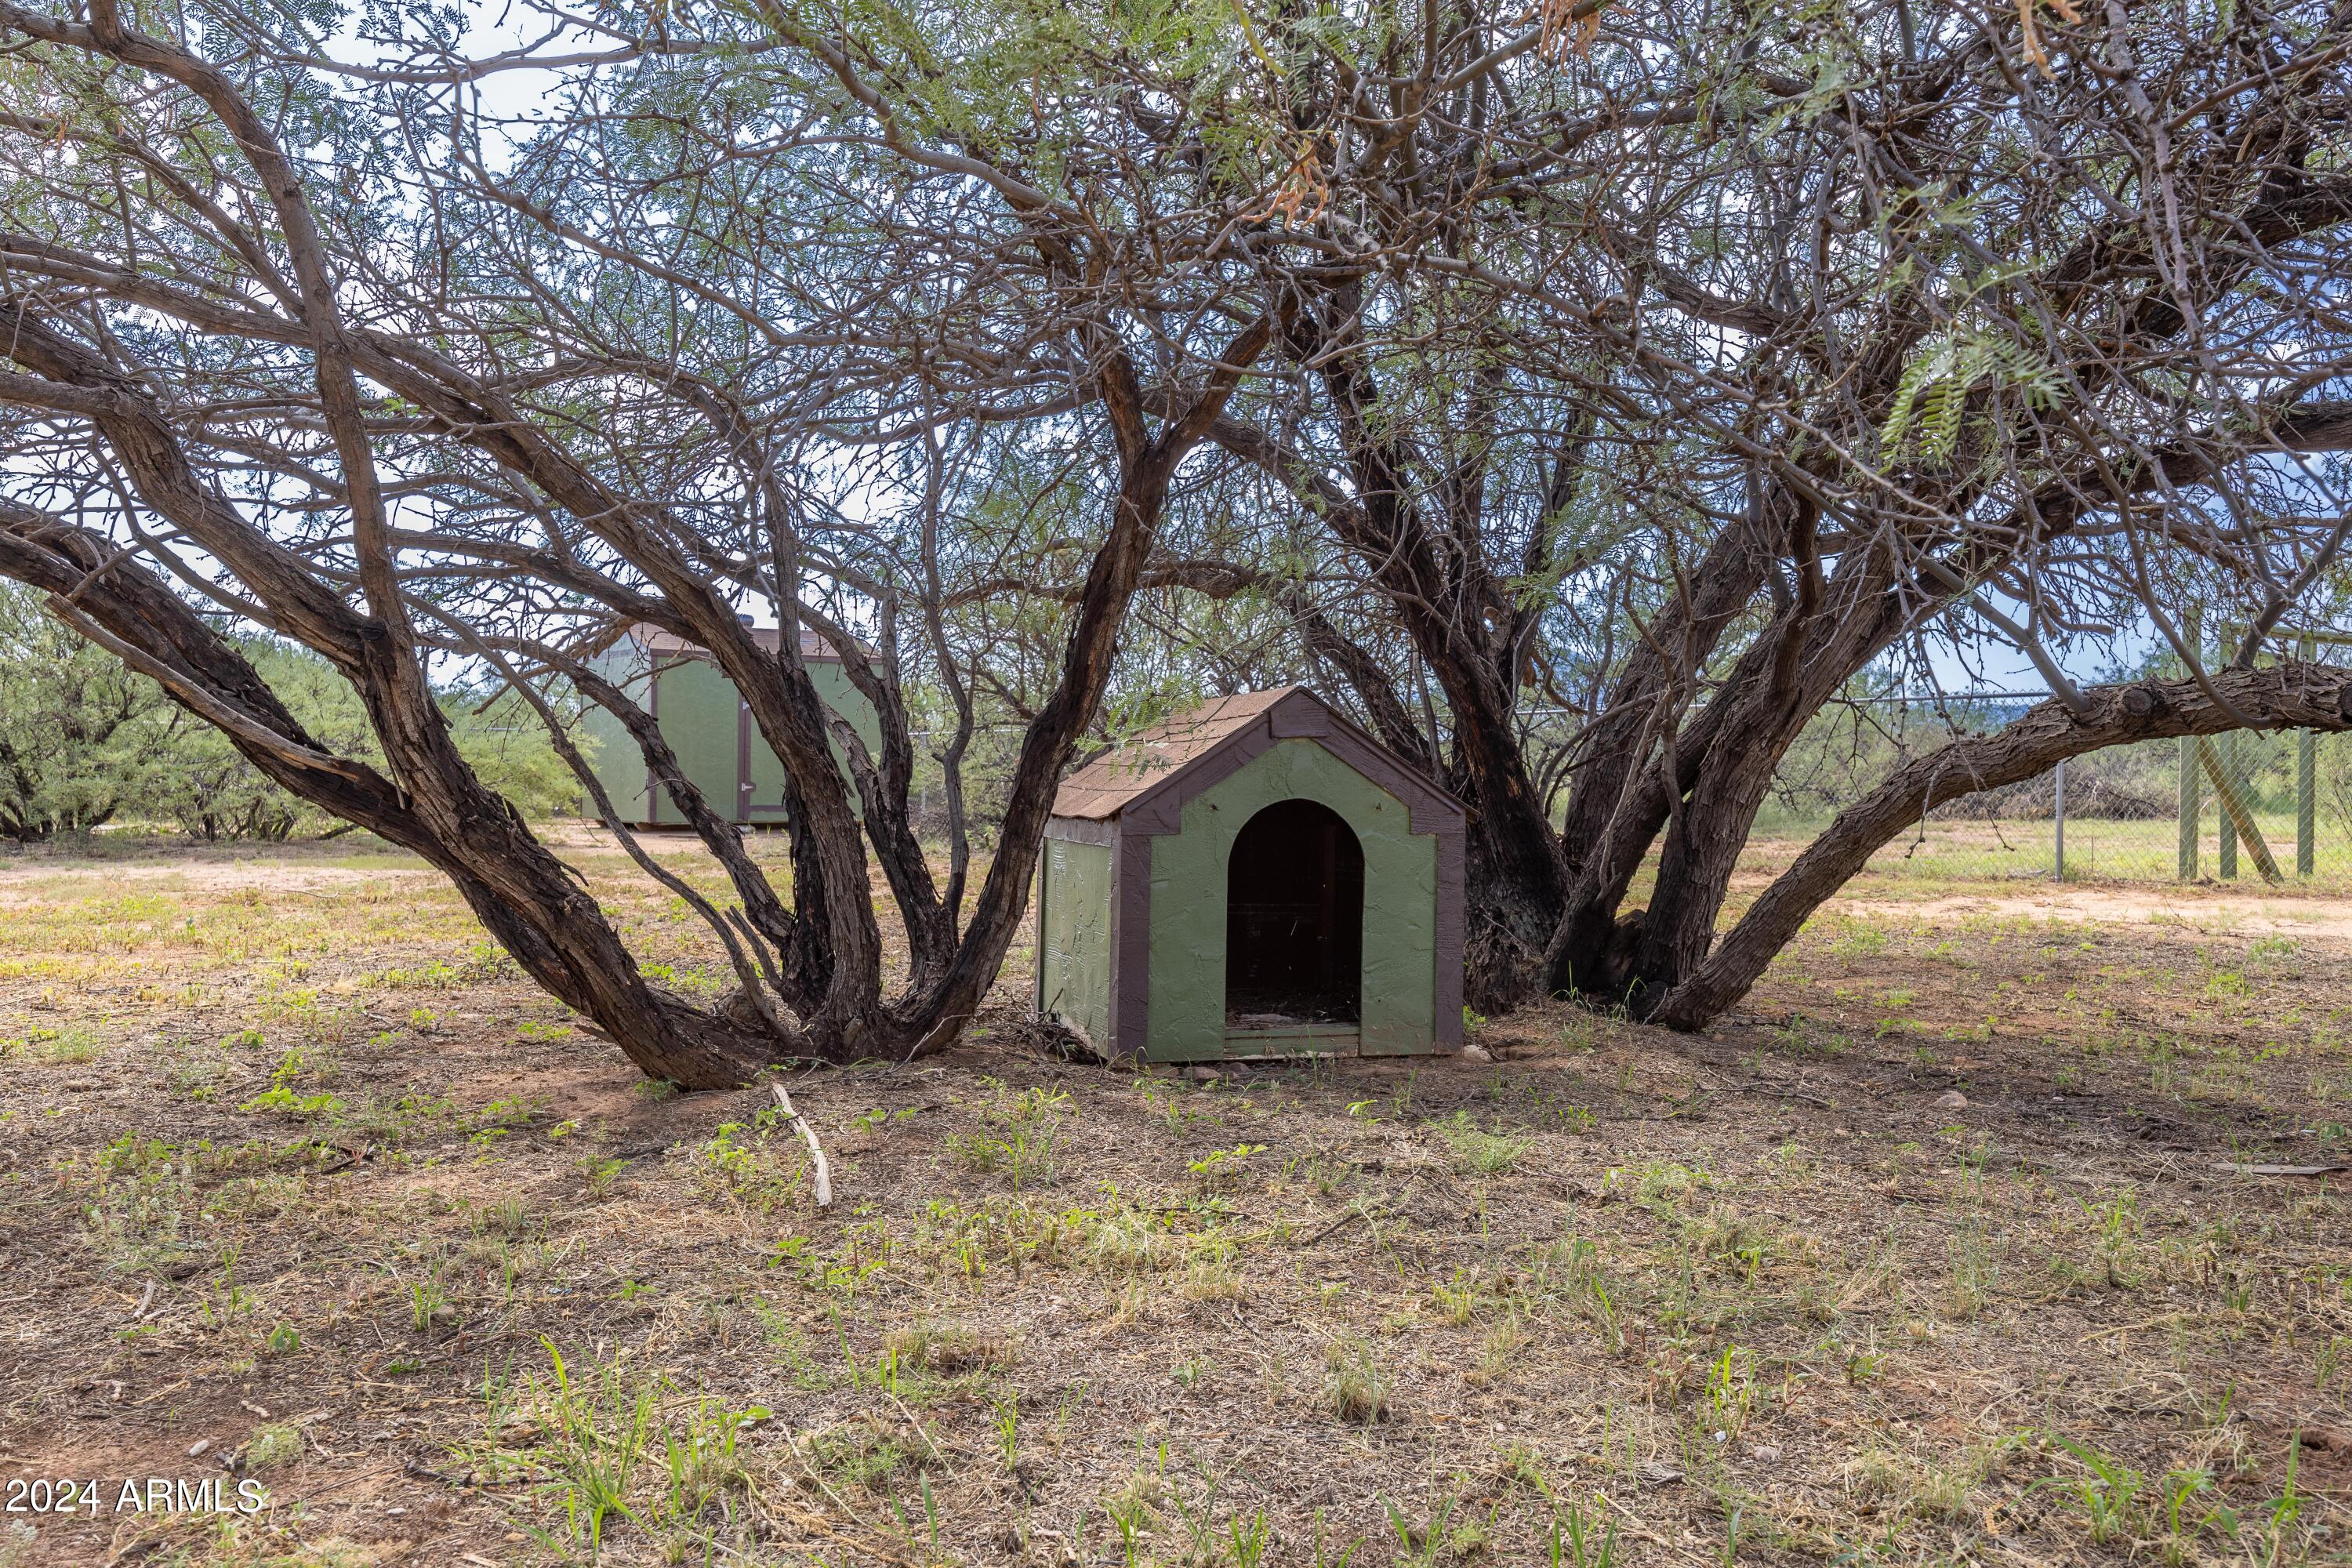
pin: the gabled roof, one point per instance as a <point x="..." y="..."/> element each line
<point x="1108" y="782"/>
<point x="669" y="645"/>
<point x="1150" y="775"/>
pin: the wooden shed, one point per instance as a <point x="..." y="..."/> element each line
<point x="707" y="724"/>
<point x="1255" y="877"/>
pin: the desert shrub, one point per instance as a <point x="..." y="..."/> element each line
<point x="76" y="730"/>
<point x="85" y="742"/>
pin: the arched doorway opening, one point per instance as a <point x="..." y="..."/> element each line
<point x="1295" y="920"/>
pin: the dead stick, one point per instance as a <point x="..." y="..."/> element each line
<point x="1345" y="1220"/>
<point x="808" y="1135"/>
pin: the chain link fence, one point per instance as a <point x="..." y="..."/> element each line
<point x="2257" y="809"/>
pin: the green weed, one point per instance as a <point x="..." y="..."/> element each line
<point x="1477" y="1149"/>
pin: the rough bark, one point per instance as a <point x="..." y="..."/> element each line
<point x="1437" y="585"/>
<point x="1148" y="464"/>
<point x="514" y="884"/>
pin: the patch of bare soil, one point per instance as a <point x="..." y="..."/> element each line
<point x="2126" y="906"/>
<point x="1938" y="1250"/>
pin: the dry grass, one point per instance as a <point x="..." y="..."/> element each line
<point x="294" y="1168"/>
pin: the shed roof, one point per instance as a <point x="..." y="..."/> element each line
<point x="1178" y="757"/>
<point x="669" y="645"/>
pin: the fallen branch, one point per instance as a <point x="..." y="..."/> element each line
<point x="1342" y="1223"/>
<point x="799" y="1124"/>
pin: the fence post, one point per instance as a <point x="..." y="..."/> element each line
<point x="2191" y="803"/>
<point x="2190" y="806"/>
<point x="2305" y="803"/>
<point x="2225" y="754"/>
<point x="2307" y="790"/>
<point x="2058" y="818"/>
<point x="2225" y="827"/>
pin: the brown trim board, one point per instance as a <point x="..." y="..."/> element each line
<point x="742" y="758"/>
<point x="1130" y="942"/>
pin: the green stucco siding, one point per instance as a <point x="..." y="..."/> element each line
<point x="614" y="756"/>
<point x="696" y="714"/>
<point x="833" y="690"/>
<point x="1187" y="986"/>
<point x="696" y="709"/>
<point x="1074" y="937"/>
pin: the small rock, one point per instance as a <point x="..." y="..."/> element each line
<point x="1951" y="1100"/>
<point x="1765" y="1454"/>
<point x="1475" y="1052"/>
<point x="198" y="1447"/>
<point x="1201" y="1072"/>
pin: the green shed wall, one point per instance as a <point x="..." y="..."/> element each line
<point x="619" y="766"/>
<point x="1186" y="1017"/>
<point x="1074" y="936"/>
<point x="697" y="709"/>
<point x="833" y="690"/>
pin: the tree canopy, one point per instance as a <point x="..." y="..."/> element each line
<point x="1586" y="396"/>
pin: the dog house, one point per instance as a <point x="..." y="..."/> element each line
<point x="1257" y="877"/>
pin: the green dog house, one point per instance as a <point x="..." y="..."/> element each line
<point x="1255" y="877"/>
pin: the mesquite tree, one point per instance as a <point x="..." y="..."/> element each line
<point x="1673" y="363"/>
<point x="324" y="351"/>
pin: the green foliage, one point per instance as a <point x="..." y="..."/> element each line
<point x="506" y="746"/>
<point x="1936" y="385"/>
<point x="207" y="786"/>
<point x="743" y="1164"/>
<point x="85" y="742"/>
<point x="272" y="1447"/>
<point x="1850" y="745"/>
<point x="1576" y="1541"/>
<point x="76" y="730"/>
<point x="1355" y="1385"/>
<point x="2332" y="762"/>
<point x="284" y="1095"/>
<point x="1477" y="1149"/>
<point x="1018" y="1137"/>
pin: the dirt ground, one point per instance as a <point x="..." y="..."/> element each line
<point x="324" y="1239"/>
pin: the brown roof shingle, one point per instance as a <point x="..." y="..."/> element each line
<point x="1109" y="782"/>
<point x="668" y="644"/>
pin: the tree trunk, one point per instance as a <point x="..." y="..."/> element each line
<point x="2290" y="695"/>
<point x="516" y="888"/>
